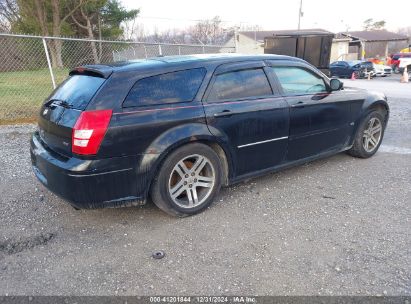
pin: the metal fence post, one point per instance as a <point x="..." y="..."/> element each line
<point x="28" y="61"/>
<point x="145" y="51"/>
<point x="49" y="63"/>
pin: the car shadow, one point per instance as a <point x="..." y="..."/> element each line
<point x="149" y="212"/>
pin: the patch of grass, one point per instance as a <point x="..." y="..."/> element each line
<point x="22" y="93"/>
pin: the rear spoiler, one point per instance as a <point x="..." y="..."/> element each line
<point x="103" y="71"/>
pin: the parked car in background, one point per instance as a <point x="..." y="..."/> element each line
<point x="345" y="69"/>
<point x="395" y="61"/>
<point x="382" y="70"/>
<point x="177" y="128"/>
<point x="405" y="62"/>
<point x="369" y="67"/>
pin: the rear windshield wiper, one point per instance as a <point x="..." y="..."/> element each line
<point x="58" y="102"/>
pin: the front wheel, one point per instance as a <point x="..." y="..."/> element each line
<point x="188" y="180"/>
<point x="369" y="135"/>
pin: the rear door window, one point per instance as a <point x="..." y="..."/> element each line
<point x="239" y="85"/>
<point x="77" y="91"/>
<point x="295" y="80"/>
<point x="180" y="86"/>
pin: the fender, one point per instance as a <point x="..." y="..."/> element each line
<point x="173" y="138"/>
<point x="372" y="99"/>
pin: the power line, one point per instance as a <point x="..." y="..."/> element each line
<point x="192" y="20"/>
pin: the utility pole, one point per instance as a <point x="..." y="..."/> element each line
<point x="235" y="39"/>
<point x="300" y="14"/>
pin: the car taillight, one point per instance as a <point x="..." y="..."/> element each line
<point x="89" y="131"/>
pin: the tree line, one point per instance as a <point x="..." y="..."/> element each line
<point x="94" y="19"/>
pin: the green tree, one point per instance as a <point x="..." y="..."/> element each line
<point x="47" y="18"/>
<point x="102" y="19"/>
<point x="90" y="18"/>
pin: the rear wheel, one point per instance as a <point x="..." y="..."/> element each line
<point x="188" y="180"/>
<point x="369" y="135"/>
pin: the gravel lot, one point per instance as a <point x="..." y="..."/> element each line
<point x="338" y="226"/>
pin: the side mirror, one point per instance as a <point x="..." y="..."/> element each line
<point x="336" y="84"/>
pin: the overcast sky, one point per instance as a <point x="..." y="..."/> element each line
<point x="331" y="15"/>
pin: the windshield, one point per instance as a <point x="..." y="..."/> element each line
<point x="352" y="63"/>
<point x="76" y="91"/>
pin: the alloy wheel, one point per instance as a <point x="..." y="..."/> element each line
<point x="372" y="135"/>
<point x="191" y="181"/>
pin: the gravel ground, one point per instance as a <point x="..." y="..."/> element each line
<point x="338" y="226"/>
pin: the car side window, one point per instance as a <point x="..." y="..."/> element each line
<point x="240" y="84"/>
<point x="296" y="80"/>
<point x="180" y="86"/>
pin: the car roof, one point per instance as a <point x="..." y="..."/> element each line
<point x="186" y="61"/>
<point x="362" y="62"/>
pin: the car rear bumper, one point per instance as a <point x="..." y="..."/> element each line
<point x="88" y="184"/>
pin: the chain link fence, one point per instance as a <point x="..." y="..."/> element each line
<point x="31" y="66"/>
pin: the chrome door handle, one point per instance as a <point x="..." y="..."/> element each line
<point x="225" y="113"/>
<point x="299" y="104"/>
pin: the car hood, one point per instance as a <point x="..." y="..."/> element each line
<point x="366" y="93"/>
<point x="381" y="67"/>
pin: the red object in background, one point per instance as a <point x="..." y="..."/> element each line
<point x="395" y="59"/>
<point x="353" y="76"/>
<point x="376" y="60"/>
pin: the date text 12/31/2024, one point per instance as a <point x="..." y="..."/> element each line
<point x="202" y="299"/>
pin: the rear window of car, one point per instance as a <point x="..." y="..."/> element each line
<point x="339" y="64"/>
<point x="77" y="91"/>
<point x="240" y="84"/>
<point x="174" y="87"/>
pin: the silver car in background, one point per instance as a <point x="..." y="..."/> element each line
<point x="382" y="70"/>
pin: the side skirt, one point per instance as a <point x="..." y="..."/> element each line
<point x="288" y="165"/>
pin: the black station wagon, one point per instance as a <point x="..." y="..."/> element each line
<point x="178" y="128"/>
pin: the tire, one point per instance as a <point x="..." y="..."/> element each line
<point x="192" y="171"/>
<point x="357" y="75"/>
<point x="363" y="146"/>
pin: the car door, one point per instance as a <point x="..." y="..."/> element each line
<point x="339" y="69"/>
<point x="334" y="69"/>
<point x="319" y="119"/>
<point x="247" y="112"/>
<point x="345" y="69"/>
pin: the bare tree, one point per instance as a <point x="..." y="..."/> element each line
<point x="9" y="14"/>
<point x="207" y="31"/>
<point x="86" y="22"/>
<point x="370" y="24"/>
